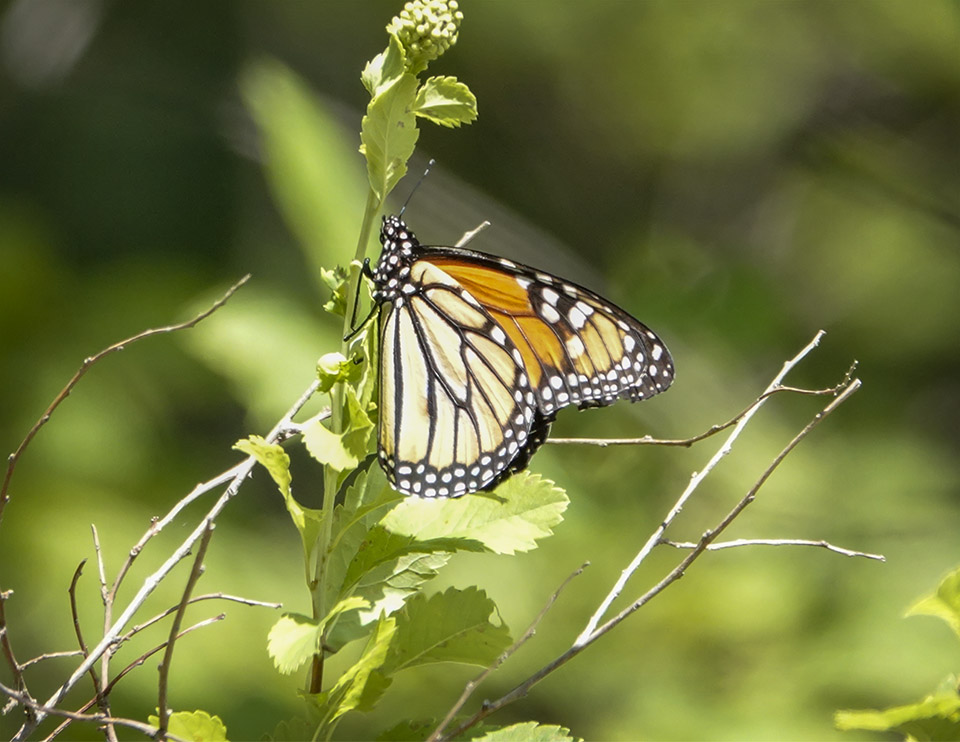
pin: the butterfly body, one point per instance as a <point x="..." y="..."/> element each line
<point x="477" y="355"/>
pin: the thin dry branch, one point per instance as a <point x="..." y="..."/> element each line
<point x="695" y="481"/>
<point x="15" y="666"/>
<point x="150" y="583"/>
<point x="26" y="701"/>
<point x="85" y="366"/>
<point x="717" y="546"/>
<point x="647" y="440"/>
<point x="102" y="700"/>
<point x="133" y="665"/>
<point x="195" y="573"/>
<point x="51" y="656"/>
<point x="593" y="632"/>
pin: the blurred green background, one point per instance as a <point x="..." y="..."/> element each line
<point x="737" y="174"/>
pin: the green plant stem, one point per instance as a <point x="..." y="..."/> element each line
<point x="330" y="475"/>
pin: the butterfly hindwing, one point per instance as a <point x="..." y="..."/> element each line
<point x="456" y="408"/>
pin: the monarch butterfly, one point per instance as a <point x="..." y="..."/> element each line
<point x="477" y="354"/>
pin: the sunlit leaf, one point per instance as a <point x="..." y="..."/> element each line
<point x="295" y="638"/>
<point x="944" y="603"/>
<point x="445" y="101"/>
<point x="389" y="134"/>
<point x="528" y="731"/>
<point x="363" y="684"/>
<point x="385" y="68"/>
<point x="276" y="461"/>
<point x="520" y="511"/>
<point x="197" y="726"/>
<point x="936" y="717"/>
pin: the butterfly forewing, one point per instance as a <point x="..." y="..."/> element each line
<point x="577" y="347"/>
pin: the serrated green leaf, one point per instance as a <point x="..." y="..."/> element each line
<point x="381" y="546"/>
<point x="341" y="451"/>
<point x="452" y="626"/>
<point x="936" y="717"/>
<point x="328" y="447"/>
<point x="944" y="603"/>
<point x="520" y="511"/>
<point x="445" y="101"/>
<point x="385" y="68"/>
<point x="528" y="731"/>
<point x="271" y="457"/>
<point x="198" y="726"/>
<point x="275" y="460"/>
<point x="389" y="133"/>
<point x="295" y="638"/>
<point x="363" y="684"/>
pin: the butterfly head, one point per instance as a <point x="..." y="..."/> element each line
<point x="393" y="268"/>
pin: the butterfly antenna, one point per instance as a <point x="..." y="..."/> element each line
<point x="426" y="172"/>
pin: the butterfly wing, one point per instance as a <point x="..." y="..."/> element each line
<point x="577" y="347"/>
<point x="457" y="413"/>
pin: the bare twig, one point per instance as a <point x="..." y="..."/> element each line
<point x="51" y="656"/>
<point x="695" y="481"/>
<point x="586" y="638"/>
<point x="195" y="573"/>
<point x="15" y="666"/>
<point x="85" y="366"/>
<point x="196" y="599"/>
<point x="101" y="699"/>
<point x="150" y="583"/>
<point x="713" y="429"/>
<point x="717" y="546"/>
<point x="27" y="702"/>
<point x="133" y="665"/>
<point x="475" y="683"/>
<point x="468" y="236"/>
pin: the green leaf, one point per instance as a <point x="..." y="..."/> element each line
<point x="337" y="280"/>
<point x="341" y="451"/>
<point x="381" y="546"/>
<point x="445" y="101"/>
<point x="452" y="626"/>
<point x="295" y="638"/>
<point x="528" y="731"/>
<point x="389" y="134"/>
<point x="361" y="686"/>
<point x="198" y="726"/>
<point x="275" y="460"/>
<point x="944" y="603"/>
<point x="386" y="588"/>
<point x="936" y="717"/>
<point x="310" y="162"/>
<point x="328" y="447"/>
<point x="385" y="68"/>
<point x="520" y="511"/>
<point x="334" y="367"/>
